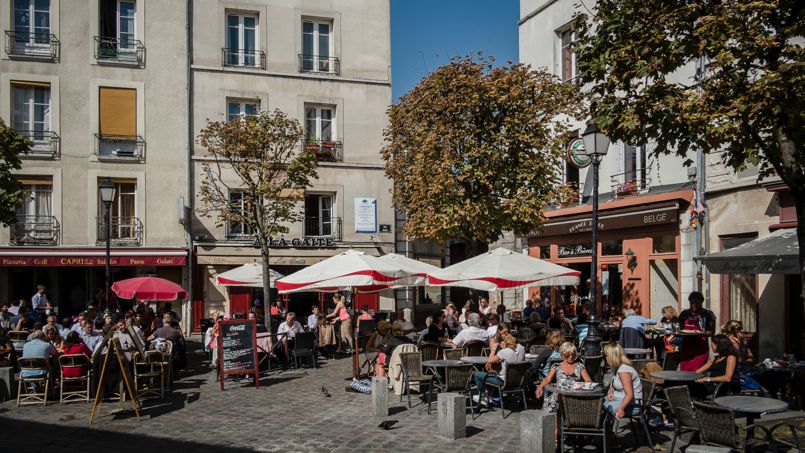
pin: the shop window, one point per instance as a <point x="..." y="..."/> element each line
<point x="612" y="247"/>
<point x="545" y="252"/>
<point x="663" y="244"/>
<point x="739" y="291"/>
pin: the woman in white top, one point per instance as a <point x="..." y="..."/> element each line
<point x="626" y="389"/>
<point x="509" y="351"/>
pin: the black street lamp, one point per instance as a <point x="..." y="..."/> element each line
<point x="107" y="191"/>
<point x="596" y="145"/>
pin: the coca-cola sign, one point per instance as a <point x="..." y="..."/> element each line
<point x="571" y="251"/>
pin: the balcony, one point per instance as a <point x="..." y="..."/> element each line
<point x="125" y="231"/>
<point x="319" y="65"/>
<point x="45" y="144"/>
<point x="326" y="150"/>
<point x="243" y="58"/>
<point x="120" y="147"/>
<point x="631" y="183"/>
<point x="34" y="46"/>
<point x="120" y="52"/>
<point x="317" y="227"/>
<point x="35" y="230"/>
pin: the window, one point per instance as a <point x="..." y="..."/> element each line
<point x="36" y="201"/>
<point x="317" y="46"/>
<point x="319" y="215"/>
<point x="237" y="109"/>
<point x="118" y="123"/>
<point x="663" y="244"/>
<point x="31" y="22"/>
<point x="571" y="174"/>
<point x="544" y="252"/>
<point x="739" y="291"/>
<point x="31" y="112"/>
<point x="123" y="212"/>
<point x="612" y="247"/>
<point x="241" y="41"/>
<point x="319" y="123"/>
<point x="568" y="57"/>
<point x="118" y="32"/>
<point x="237" y="228"/>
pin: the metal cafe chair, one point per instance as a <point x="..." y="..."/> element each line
<point x="473" y="348"/>
<point x="411" y="363"/>
<point x="581" y="415"/>
<point x="456" y="379"/>
<point x="513" y="383"/>
<point x="33" y="389"/>
<point x="681" y="405"/>
<point x="75" y="388"/>
<point x="147" y="369"/>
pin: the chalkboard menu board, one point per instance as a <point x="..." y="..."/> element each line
<point x="237" y="349"/>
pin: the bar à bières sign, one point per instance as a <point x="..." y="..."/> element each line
<point x="572" y="251"/>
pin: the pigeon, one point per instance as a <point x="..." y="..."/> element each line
<point x="325" y="392"/>
<point x="387" y="424"/>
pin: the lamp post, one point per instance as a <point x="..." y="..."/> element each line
<point x="107" y="192"/>
<point x="596" y="145"/>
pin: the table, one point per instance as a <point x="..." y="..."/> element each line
<point x="677" y="376"/>
<point x="434" y="364"/>
<point x="475" y="360"/>
<point x="636" y="351"/>
<point x="597" y="390"/>
<point x="751" y="406"/>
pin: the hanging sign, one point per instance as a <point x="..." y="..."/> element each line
<point x="366" y="215"/>
<point x="577" y="154"/>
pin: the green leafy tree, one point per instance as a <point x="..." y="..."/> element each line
<point x="12" y="145"/>
<point x="260" y="157"/>
<point x="637" y="57"/>
<point x="476" y="150"/>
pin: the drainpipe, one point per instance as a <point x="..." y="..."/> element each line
<point x="702" y="242"/>
<point x="190" y="194"/>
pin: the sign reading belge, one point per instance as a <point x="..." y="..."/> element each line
<point x="613" y="220"/>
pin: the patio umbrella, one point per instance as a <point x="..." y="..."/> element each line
<point x="503" y="269"/>
<point x="351" y="270"/>
<point x="415" y="267"/>
<point x="248" y="275"/>
<point x="148" y="288"/>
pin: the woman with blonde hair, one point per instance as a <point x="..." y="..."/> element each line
<point x="553" y="339"/>
<point x="568" y="368"/>
<point x="508" y="351"/>
<point x="626" y="389"/>
<point x="669" y="315"/>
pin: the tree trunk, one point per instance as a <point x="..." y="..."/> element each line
<point x="265" y="252"/>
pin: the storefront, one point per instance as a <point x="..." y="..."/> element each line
<point x="643" y="252"/>
<point x="74" y="276"/>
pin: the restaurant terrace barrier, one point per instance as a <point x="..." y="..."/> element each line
<point x="451" y="412"/>
<point x="706" y="449"/>
<point x="537" y="432"/>
<point x="380" y="396"/>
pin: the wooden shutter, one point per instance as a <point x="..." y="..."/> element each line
<point x="118" y="111"/>
<point x="32" y="180"/>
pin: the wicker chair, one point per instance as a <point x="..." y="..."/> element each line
<point x="537" y="349"/>
<point x="28" y="387"/>
<point x="165" y="347"/>
<point x="642" y="417"/>
<point x="514" y="382"/>
<point x="430" y="351"/>
<point x="456" y="379"/>
<point x="670" y="361"/>
<point x="682" y="407"/>
<point x="304" y="345"/>
<point x="474" y="348"/>
<point x="581" y="415"/>
<point x="453" y="354"/>
<point x="717" y="427"/>
<point x="593" y="365"/>
<point x="147" y="369"/>
<point x="75" y="388"/>
<point x="639" y="364"/>
<point x="411" y="366"/>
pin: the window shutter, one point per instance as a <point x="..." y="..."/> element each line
<point x="118" y="111"/>
<point x="32" y="180"/>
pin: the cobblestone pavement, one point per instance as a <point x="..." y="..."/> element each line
<point x="288" y="413"/>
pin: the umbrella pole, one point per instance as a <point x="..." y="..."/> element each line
<point x="355" y="364"/>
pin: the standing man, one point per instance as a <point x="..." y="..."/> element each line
<point x="694" y="352"/>
<point x="39" y="302"/>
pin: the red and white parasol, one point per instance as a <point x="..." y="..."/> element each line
<point x="503" y="269"/>
<point x="148" y="288"/>
<point x="248" y="275"/>
<point x="419" y="271"/>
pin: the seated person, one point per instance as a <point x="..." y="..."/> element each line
<point x="721" y="367"/>
<point x="7" y="353"/>
<point x="508" y="351"/>
<point x="437" y="330"/>
<point x="473" y="332"/>
<point x="313" y="319"/>
<point x="52" y="336"/>
<point x="88" y="335"/>
<point x="625" y="390"/>
<point x="535" y="323"/>
<point x="558" y="321"/>
<point x="23" y="321"/>
<point x="290" y="327"/>
<point x="37" y="348"/>
<point x="74" y="345"/>
<point x="568" y="368"/>
<point x="542" y="365"/>
<point x="376" y="346"/>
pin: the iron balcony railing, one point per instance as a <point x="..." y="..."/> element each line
<point x="120" y="147"/>
<point x="243" y="58"/>
<point x="35" y="230"/>
<point x="124" y="231"/>
<point x="321" y="227"/>
<point x="238" y="231"/>
<point x="631" y="182"/>
<point x="45" y="144"/>
<point x="319" y="64"/>
<point x="326" y="150"/>
<point x="119" y="51"/>
<point x="44" y="46"/>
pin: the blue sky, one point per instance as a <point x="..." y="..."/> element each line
<point x="425" y="34"/>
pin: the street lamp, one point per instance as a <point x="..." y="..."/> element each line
<point x="596" y="145"/>
<point x="107" y="191"/>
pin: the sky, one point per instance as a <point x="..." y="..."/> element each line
<point x="426" y="34"/>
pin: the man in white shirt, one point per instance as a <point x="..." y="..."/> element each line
<point x="473" y="332"/>
<point x="291" y="327"/>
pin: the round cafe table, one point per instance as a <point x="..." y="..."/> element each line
<point x="751" y="406"/>
<point x="596" y="390"/>
<point x="475" y="360"/>
<point x="434" y="365"/>
<point x="636" y="351"/>
<point x="677" y="376"/>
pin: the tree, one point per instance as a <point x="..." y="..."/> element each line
<point x="12" y="145"/>
<point x="261" y="158"/>
<point x="476" y="150"/>
<point x="747" y="101"/>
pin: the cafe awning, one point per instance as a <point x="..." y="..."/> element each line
<point x="777" y="253"/>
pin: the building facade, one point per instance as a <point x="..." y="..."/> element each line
<point x="94" y="84"/>
<point x="646" y="248"/>
<point x="328" y="65"/>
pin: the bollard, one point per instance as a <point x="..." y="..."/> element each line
<point x="706" y="449"/>
<point x="451" y="412"/>
<point x="8" y="385"/>
<point x="537" y="432"/>
<point x="380" y="396"/>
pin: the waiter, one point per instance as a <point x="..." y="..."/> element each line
<point x="693" y="352"/>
